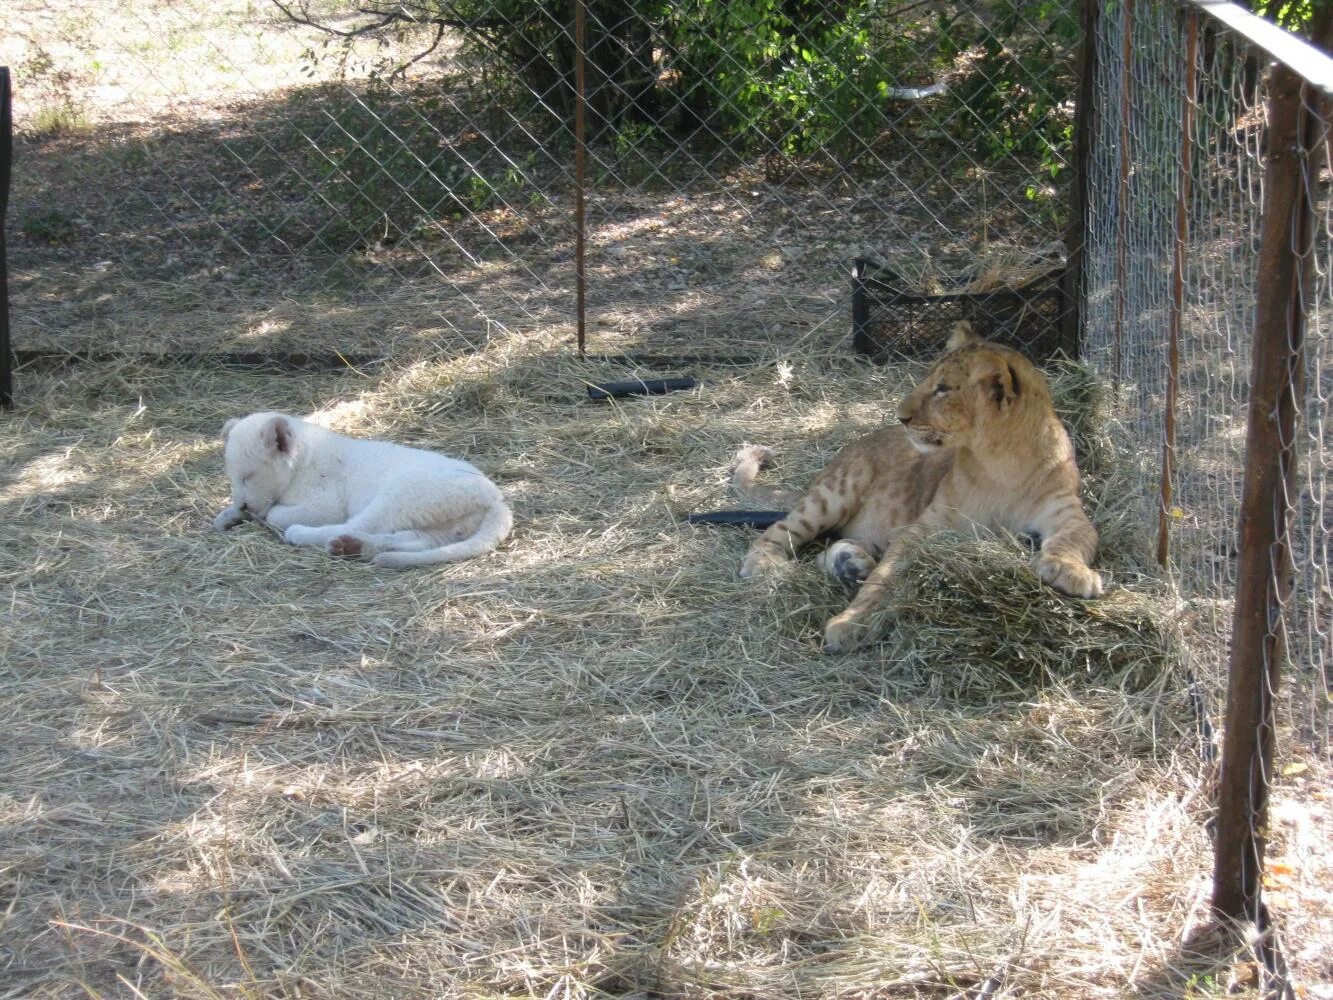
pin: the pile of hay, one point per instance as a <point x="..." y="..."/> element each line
<point x="970" y="612"/>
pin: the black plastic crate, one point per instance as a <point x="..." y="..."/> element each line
<point x="889" y="323"/>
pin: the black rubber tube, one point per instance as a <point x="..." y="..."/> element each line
<point x="640" y="387"/>
<point x="743" y="518"/>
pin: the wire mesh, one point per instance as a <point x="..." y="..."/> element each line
<point x="405" y="171"/>
<point x="1182" y="125"/>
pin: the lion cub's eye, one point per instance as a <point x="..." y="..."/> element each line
<point x="941" y="389"/>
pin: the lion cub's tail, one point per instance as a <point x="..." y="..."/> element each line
<point x="493" y="530"/>
<point x="751" y="460"/>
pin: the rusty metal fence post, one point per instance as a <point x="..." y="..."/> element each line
<point x="580" y="175"/>
<point x="1122" y="205"/>
<point x="1178" y="251"/>
<point x="1264" y="576"/>
<point x="1083" y="136"/>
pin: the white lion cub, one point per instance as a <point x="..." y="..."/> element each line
<point x="394" y="505"/>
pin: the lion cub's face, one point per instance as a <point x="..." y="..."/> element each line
<point x="258" y="453"/>
<point x="973" y="382"/>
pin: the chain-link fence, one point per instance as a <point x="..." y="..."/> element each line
<point x="399" y="180"/>
<point x="1189" y="217"/>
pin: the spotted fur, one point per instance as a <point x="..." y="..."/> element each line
<point x="978" y="445"/>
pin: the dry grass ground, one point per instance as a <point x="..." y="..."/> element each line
<point x="593" y="764"/>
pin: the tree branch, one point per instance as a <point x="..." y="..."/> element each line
<point x="486" y="30"/>
<point x="401" y="71"/>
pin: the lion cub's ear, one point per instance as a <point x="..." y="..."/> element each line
<point x="1001" y="383"/>
<point x="226" y="428"/>
<point x="960" y="336"/>
<point x="277" y="435"/>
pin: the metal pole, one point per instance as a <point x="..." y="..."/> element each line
<point x="6" y="158"/>
<point x="580" y="170"/>
<point x="1076" y="233"/>
<point x="1122" y="200"/>
<point x="1264" y="571"/>
<point x="1178" y="285"/>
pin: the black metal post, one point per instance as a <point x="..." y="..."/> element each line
<point x="6" y="159"/>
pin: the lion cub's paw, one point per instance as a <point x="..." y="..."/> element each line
<point x="346" y="547"/>
<point x="844" y="633"/>
<point x="846" y="561"/>
<point x="1069" y="577"/>
<point x="759" y="561"/>
<point x="297" y="534"/>
<point x="228" y="519"/>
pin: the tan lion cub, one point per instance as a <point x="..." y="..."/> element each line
<point x="394" y="505"/>
<point x="978" y="445"/>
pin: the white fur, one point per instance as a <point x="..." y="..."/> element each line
<point x="394" y="505"/>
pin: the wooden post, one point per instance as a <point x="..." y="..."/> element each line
<point x="1264" y="571"/>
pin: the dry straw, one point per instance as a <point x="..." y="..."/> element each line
<point x="593" y="764"/>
